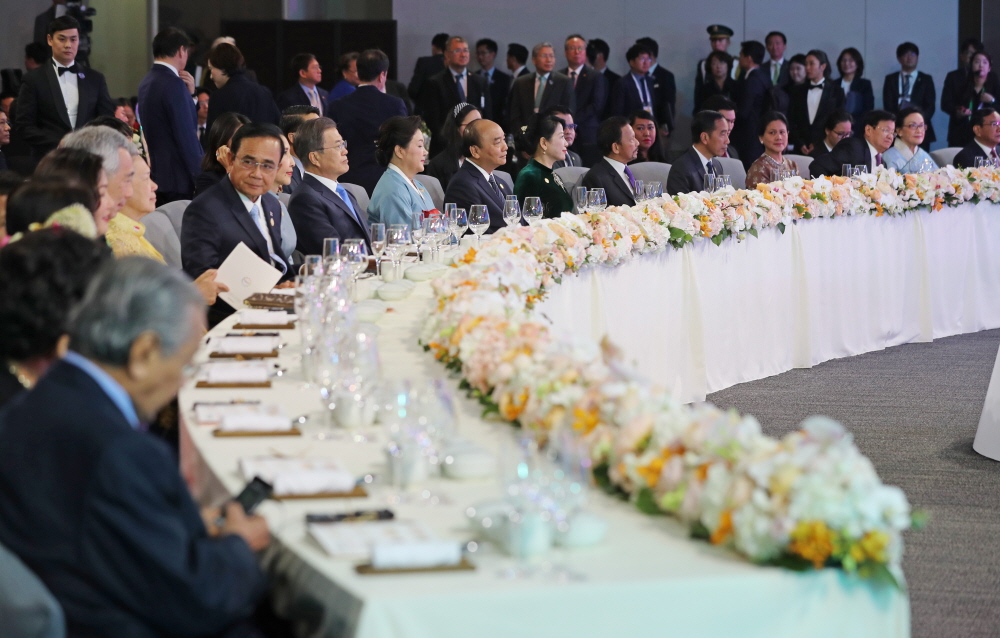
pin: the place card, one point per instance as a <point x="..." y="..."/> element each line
<point x="243" y="347"/>
<point x="300" y="477"/>
<point x="234" y="374"/>
<point x="254" y="318"/>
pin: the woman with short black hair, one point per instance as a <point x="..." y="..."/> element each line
<point x="398" y="195"/>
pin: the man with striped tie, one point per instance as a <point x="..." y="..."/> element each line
<point x="305" y="92"/>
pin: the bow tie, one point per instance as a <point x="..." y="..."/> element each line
<point x="816" y="86"/>
<point x="67" y="69"/>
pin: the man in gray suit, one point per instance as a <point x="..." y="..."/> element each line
<point x="710" y="133"/>
<point x="538" y="91"/>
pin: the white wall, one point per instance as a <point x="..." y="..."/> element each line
<point x="874" y="27"/>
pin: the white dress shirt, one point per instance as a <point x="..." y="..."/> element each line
<point x="464" y="82"/>
<point x="705" y="161"/>
<point x="69" y="87"/>
<point x="620" y="169"/>
<point x="874" y="152"/>
<point x="986" y="149"/>
<point x="813" y="98"/>
<point x="172" y="68"/>
<point x="913" y="79"/>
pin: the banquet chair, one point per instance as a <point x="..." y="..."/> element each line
<point x="433" y="186"/>
<point x="27" y="608"/>
<point x="803" y="162"/>
<point x="652" y="172"/>
<point x="359" y="193"/>
<point x="284" y="197"/>
<point x="945" y="156"/>
<point x="505" y="176"/>
<point x="175" y="213"/>
<point x="161" y="234"/>
<point x="734" y="168"/>
<point x="571" y="176"/>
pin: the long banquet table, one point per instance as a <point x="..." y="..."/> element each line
<point x="646" y="576"/>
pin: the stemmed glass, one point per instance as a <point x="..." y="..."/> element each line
<point x="461" y="223"/>
<point x="846" y="170"/>
<point x="479" y="221"/>
<point x="859" y="169"/>
<point x="449" y="216"/>
<point x="435" y="232"/>
<point x="654" y="189"/>
<point x="511" y="211"/>
<point x="378" y="246"/>
<point x="311" y="265"/>
<point x="580" y="199"/>
<point x="417" y="232"/>
<point x="355" y="253"/>
<point x="398" y="240"/>
<point x="331" y="248"/>
<point x="723" y="181"/>
<point x="532" y="210"/>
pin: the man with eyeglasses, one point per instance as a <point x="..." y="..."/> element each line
<point x="986" y="128"/>
<point x="591" y="92"/>
<point x="838" y="126"/>
<point x="539" y="91"/>
<point x="321" y="207"/>
<point x="454" y="85"/>
<point x="233" y="211"/>
<point x="569" y="130"/>
<point x="880" y="132"/>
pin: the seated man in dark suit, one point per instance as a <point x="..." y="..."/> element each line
<point x="110" y="526"/>
<point x="752" y="90"/>
<point x="454" y="85"/>
<point x="321" y="207"/>
<point x="486" y="55"/>
<point x="485" y="150"/>
<point x="986" y="128"/>
<point x="305" y="92"/>
<point x="60" y="96"/>
<point x="866" y="150"/>
<point x="428" y="65"/>
<point x="710" y="133"/>
<point x="233" y="211"/>
<point x="618" y="145"/>
<point x="727" y="107"/>
<point x="291" y="119"/>
<point x="839" y="125"/>
<point x="360" y="114"/>
<point x="539" y="91"/>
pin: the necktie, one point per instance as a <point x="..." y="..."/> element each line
<point x="461" y="89"/>
<point x="540" y="91"/>
<point x="314" y="98"/>
<point x="631" y="177"/>
<point x="775" y="70"/>
<point x="878" y="159"/>
<point x="709" y="168"/>
<point x="201" y="130"/>
<point x="67" y="69"/>
<point x="572" y="75"/>
<point x="342" y="192"/>
<point x="906" y="86"/>
<point x="496" y="187"/>
<point x="816" y="86"/>
<point x="993" y="154"/>
<point x="258" y="219"/>
<point x="645" y="92"/>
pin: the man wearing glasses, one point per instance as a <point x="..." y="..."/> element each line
<point x="539" y="91"/>
<point x="321" y="207"/>
<point x="591" y="100"/>
<point x="233" y="212"/>
<point x="454" y="85"/>
<point x="986" y="127"/>
<point x="880" y="132"/>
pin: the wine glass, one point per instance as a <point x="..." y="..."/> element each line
<point x="461" y="223"/>
<point x="449" y="216"/>
<point x="602" y="199"/>
<point x="724" y="181"/>
<point x="417" y="232"/>
<point x="311" y="265"/>
<point x="511" y="211"/>
<point x="479" y="221"/>
<point x="355" y="253"/>
<point x="639" y="191"/>
<point x="378" y="246"/>
<point x="331" y="247"/>
<point x="846" y="170"/>
<point x="580" y="198"/>
<point x="435" y="232"/>
<point x="398" y="240"/>
<point x="532" y="210"/>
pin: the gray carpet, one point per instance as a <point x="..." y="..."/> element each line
<point x="913" y="411"/>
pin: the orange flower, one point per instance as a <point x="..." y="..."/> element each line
<point x="585" y="420"/>
<point x="724" y="530"/>
<point x="651" y="472"/>
<point x="812" y="541"/>
<point x="511" y="408"/>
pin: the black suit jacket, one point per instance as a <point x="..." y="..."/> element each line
<point x="665" y="88"/>
<point x="687" y="173"/>
<point x="295" y="95"/>
<point x="851" y="150"/>
<point x="242" y="95"/>
<point x="443" y="167"/>
<point x="800" y="130"/>
<point x="951" y="97"/>
<point x="468" y="187"/>
<point x="783" y="77"/>
<point x="318" y="213"/>
<point x="424" y="69"/>
<point x="215" y="222"/>
<point x="603" y="175"/>
<point x="922" y="95"/>
<point x="42" y="119"/>
<point x="101" y="514"/>
<point x="625" y="98"/>
<point x="169" y="120"/>
<point x="591" y="95"/>
<point x="358" y="116"/>
<point x="859" y="99"/>
<point x="610" y="80"/>
<point x="521" y="102"/>
<point x="966" y="158"/>
<point x="440" y="95"/>
<point x="752" y="95"/>
<point x="499" y="88"/>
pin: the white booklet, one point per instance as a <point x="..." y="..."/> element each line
<point x="245" y="273"/>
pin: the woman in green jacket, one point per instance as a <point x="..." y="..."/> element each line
<point x="544" y="139"/>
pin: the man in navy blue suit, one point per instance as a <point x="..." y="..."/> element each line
<point x="291" y="119"/>
<point x="752" y="91"/>
<point x="93" y="504"/>
<point x="485" y="150"/>
<point x="634" y="91"/>
<point x="306" y="68"/>
<point x="60" y="96"/>
<point x="169" y="119"/>
<point x="321" y="207"/>
<point x="591" y="98"/>
<point x="360" y="114"/>
<point x="233" y="212"/>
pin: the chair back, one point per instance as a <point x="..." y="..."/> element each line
<point x="803" y="162"/>
<point x="433" y="186"/>
<point x="175" y="213"/>
<point x="161" y="234"/>
<point x="571" y="176"/>
<point x="505" y="176"/>
<point x="359" y="193"/>
<point x="734" y="168"/>
<point x="945" y="156"/>
<point x="284" y="197"/>
<point x="27" y="608"/>
<point x="652" y="172"/>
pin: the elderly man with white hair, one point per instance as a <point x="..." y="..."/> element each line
<point x="540" y="91"/>
<point x="94" y="505"/>
<point x="116" y="153"/>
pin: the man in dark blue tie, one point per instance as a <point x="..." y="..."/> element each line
<point x="710" y="133"/>
<point x="454" y="85"/>
<point x="321" y="207"/>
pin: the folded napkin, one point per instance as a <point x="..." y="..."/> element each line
<point x="298" y="476"/>
<point x="262" y="317"/>
<point x="212" y="413"/>
<point x="244" y="345"/>
<point x="237" y="372"/>
<point x="416" y="555"/>
<point x="251" y="422"/>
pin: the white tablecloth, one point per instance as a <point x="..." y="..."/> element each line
<point x="707" y="317"/>
<point x="646" y="579"/>
<point x="987" y="441"/>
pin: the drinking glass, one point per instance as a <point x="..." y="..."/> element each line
<point x="654" y="189"/>
<point x="479" y="221"/>
<point x="602" y="199"/>
<point x="355" y="253"/>
<point x="980" y="162"/>
<point x="398" y="240"/>
<point x="859" y="170"/>
<point x="417" y="232"/>
<point x="847" y="170"/>
<point x="378" y="246"/>
<point x="435" y="232"/>
<point x="532" y="210"/>
<point x="461" y="222"/>
<point x="639" y="191"/>
<point x="511" y="211"/>
<point x="449" y="215"/>
<point x="723" y="181"/>
<point x="580" y="199"/>
<point x="311" y="265"/>
<point x="709" y="182"/>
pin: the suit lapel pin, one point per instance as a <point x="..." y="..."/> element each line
<point x="546" y="180"/>
<point x="80" y="75"/>
<point x="272" y="222"/>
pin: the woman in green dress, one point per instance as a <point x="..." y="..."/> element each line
<point x="545" y="140"/>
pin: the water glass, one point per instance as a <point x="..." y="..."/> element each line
<point x="639" y="190"/>
<point x="580" y="199"/>
<point x="847" y="170"/>
<point x="331" y="247"/>
<point x="378" y="245"/>
<point x="479" y="221"/>
<point x="511" y="211"/>
<point x="311" y="265"/>
<point x="417" y="232"/>
<point x="532" y="210"/>
<point x="355" y="253"/>
<point x="710" y="183"/>
<point x="859" y="170"/>
<point x="654" y="189"/>
<point x="435" y="232"/>
<point x="398" y="239"/>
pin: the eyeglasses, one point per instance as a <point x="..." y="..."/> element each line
<point x="342" y="144"/>
<point x="995" y="124"/>
<point x="576" y="49"/>
<point x="265" y="167"/>
<point x="915" y="126"/>
<point x="465" y="50"/>
<point x="887" y="131"/>
<point x="842" y="135"/>
<point x="570" y="127"/>
<point x="546" y="56"/>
